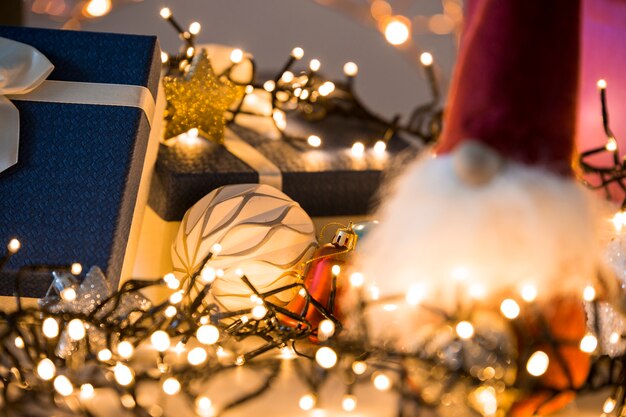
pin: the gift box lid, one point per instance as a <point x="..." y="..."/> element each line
<point x="72" y="194"/>
<point x="327" y="181"/>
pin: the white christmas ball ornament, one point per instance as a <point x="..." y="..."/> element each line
<point x="258" y="231"/>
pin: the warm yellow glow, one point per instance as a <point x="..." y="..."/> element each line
<point x="537" y="364"/>
<point x="286" y="352"/>
<point x="348" y="403"/>
<point x="98" y="8"/>
<point x="315" y="65"/>
<point x="86" y="392"/>
<point x="197" y="356"/>
<point x="258" y="312"/>
<point x="216" y="249"/>
<point x="380" y="147"/>
<point x="176" y="298"/>
<point x="464" y="329"/>
<point x="326" y="329"/>
<point x="105" y="355"/>
<point x="14" y="245"/>
<point x="529" y="293"/>
<point x="171" y="281"/>
<point x="160" y="340"/>
<point x="326" y="357"/>
<point x="76" y="268"/>
<point x="249" y="89"/>
<point x="208" y="334"/>
<point x="358" y="149"/>
<point x="68" y="294"/>
<point x="327" y="88"/>
<point x="19" y="342"/>
<point x="46" y="369"/>
<point x="397" y="31"/>
<point x="415" y="294"/>
<point x="240" y="360"/>
<point x="618" y="221"/>
<point x="204" y="407"/>
<point x="125" y="349"/>
<point x="164" y="57"/>
<point x="127" y="401"/>
<point x="171" y="386"/>
<point x="336" y="270"/>
<point x="381" y="381"/>
<point x="50" y="328"/>
<point x="166" y="13"/>
<point x="190" y="51"/>
<point x="350" y="69"/>
<point x="426" y="58"/>
<point x="357" y="279"/>
<point x="63" y="385"/>
<point x="236" y="56"/>
<point x="510" y="309"/>
<point x="76" y="329"/>
<point x="477" y="291"/>
<point x="280" y="119"/>
<point x="588" y="343"/>
<point x="611" y="145"/>
<point x="359" y="367"/>
<point x="307" y="402"/>
<point x="170" y="311"/>
<point x="601" y="84"/>
<point x="304" y="94"/>
<point x="297" y="52"/>
<point x="287" y="77"/>
<point x="390" y="307"/>
<point x="609" y="405"/>
<point x="614" y="338"/>
<point x="123" y="374"/>
<point x="194" y="28"/>
<point x="486" y="397"/>
<point x="589" y="293"/>
<point x="314" y="141"/>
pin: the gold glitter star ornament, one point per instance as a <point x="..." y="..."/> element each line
<point x="199" y="100"/>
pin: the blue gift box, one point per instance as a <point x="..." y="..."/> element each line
<point x="72" y="194"/>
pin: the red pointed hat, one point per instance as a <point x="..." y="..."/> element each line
<point x="515" y="83"/>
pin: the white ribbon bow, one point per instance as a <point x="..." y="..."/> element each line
<point x="22" y="69"/>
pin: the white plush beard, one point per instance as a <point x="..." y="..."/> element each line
<point x="448" y="241"/>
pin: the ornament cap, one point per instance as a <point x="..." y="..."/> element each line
<point x="345" y="237"/>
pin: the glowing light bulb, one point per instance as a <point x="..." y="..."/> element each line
<point x="350" y="69"/>
<point x="614" y="338"/>
<point x="380" y="147"/>
<point x="601" y="84"/>
<point x="286" y="352"/>
<point x="240" y="360"/>
<point x="609" y="405"/>
<point x="170" y="311"/>
<point x="165" y="13"/>
<point x="537" y="364"/>
<point x="326" y="329"/>
<point x="125" y="349"/>
<point x="50" y="328"/>
<point x="297" y="52"/>
<point x="98" y="8"/>
<point x="279" y="119"/>
<point x="204" y="407"/>
<point x="269" y="86"/>
<point x="287" y="77"/>
<point x="197" y="356"/>
<point x="359" y="367"/>
<point x="171" y="386"/>
<point x="358" y="149"/>
<point x="314" y="141"/>
<point x="327" y="88"/>
<point x="63" y="385"/>
<point x="207" y="275"/>
<point x="14" y="245"/>
<point x="176" y="298"/>
<point x="46" y="369"/>
<point x="416" y="293"/>
<point x="464" y="329"/>
<point x="618" y="221"/>
<point x="357" y="279"/>
<point x="190" y="51"/>
<point x="236" y="56"/>
<point x="105" y="355"/>
<point x="194" y="28"/>
<point x="86" y="392"/>
<point x="127" y="401"/>
<point x="326" y="357"/>
<point x="426" y="58"/>
<point x="258" y="312"/>
<point x="315" y="65"/>
<point x="68" y="294"/>
<point x="381" y="382"/>
<point x="208" y="334"/>
<point x="76" y="268"/>
<point x="611" y="145"/>
<point x="160" y="340"/>
<point x="510" y="309"/>
<point x="588" y="343"/>
<point x="249" y="89"/>
<point x="589" y="293"/>
<point x="171" y="281"/>
<point x="76" y="329"/>
<point x="336" y="270"/>
<point x="529" y="293"/>
<point x="348" y="403"/>
<point x="307" y="402"/>
<point x="123" y="374"/>
<point x="304" y="94"/>
<point x="19" y="342"/>
<point x="396" y="31"/>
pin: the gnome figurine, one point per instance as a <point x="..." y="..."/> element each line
<point x="496" y="209"/>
